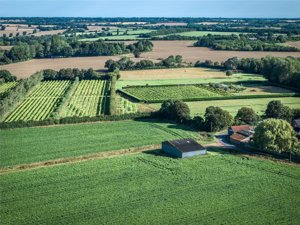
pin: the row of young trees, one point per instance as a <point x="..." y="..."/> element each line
<point x="126" y="63"/>
<point x="57" y="46"/>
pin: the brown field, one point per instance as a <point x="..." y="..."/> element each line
<point x="5" y="47"/>
<point x="162" y="49"/>
<point x="180" y="73"/>
<point x="167" y="24"/>
<point x="15" y="30"/>
<point x="293" y="44"/>
<point x="99" y="28"/>
<point x="50" y="32"/>
<point x="261" y="90"/>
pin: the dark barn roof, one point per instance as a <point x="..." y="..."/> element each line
<point x="185" y="145"/>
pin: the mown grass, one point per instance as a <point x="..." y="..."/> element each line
<point x="149" y="189"/>
<point x="29" y="145"/>
<point x="241" y="77"/>
<point x="232" y="106"/>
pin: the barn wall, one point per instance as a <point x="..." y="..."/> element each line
<point x="171" y="150"/>
<point x="194" y="153"/>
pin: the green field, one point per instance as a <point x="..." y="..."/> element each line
<point x="28" y="145"/>
<point x="115" y="37"/>
<point x="232" y="106"/>
<point x="90" y="98"/>
<point x="149" y="189"/>
<point x="235" y="78"/>
<point x="40" y="103"/>
<point x="4" y="87"/>
<point x="201" y="33"/>
<point x="160" y="93"/>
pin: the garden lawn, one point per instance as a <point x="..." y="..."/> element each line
<point x="149" y="189"/>
<point x="28" y="145"/>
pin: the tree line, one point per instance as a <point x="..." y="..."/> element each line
<point x="244" y="43"/>
<point x="57" y="46"/>
<point x="126" y="63"/>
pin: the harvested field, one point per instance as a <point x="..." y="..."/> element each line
<point x="293" y="44"/>
<point x="264" y="90"/>
<point x="25" y="69"/>
<point x="179" y="73"/>
<point x="5" y="47"/>
<point x="50" y="32"/>
<point x="167" y="24"/>
<point x="162" y="49"/>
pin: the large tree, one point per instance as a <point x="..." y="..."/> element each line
<point x="275" y="109"/>
<point x="175" y="110"/>
<point x="217" y="119"/>
<point x="246" y="115"/>
<point x="276" y="135"/>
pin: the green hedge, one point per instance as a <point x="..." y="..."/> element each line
<point x="72" y="120"/>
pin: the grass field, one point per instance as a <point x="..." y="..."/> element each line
<point x="114" y="37"/>
<point x="201" y="33"/>
<point x="28" y="145"/>
<point x="232" y="106"/>
<point x="4" y="87"/>
<point x="149" y="189"/>
<point x="89" y="99"/>
<point x="40" y="103"/>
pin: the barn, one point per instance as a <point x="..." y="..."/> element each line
<point x="183" y="148"/>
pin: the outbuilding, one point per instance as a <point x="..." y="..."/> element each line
<point x="183" y="148"/>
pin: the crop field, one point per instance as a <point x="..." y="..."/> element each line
<point x="48" y="143"/>
<point x="162" y="49"/>
<point x="40" y="103"/>
<point x="4" y="87"/>
<point x="114" y="37"/>
<point x="166" y="78"/>
<point x="152" y="189"/>
<point x="90" y="98"/>
<point x="125" y="106"/>
<point x="158" y="93"/>
<point x="232" y="106"/>
<point x="202" y="33"/>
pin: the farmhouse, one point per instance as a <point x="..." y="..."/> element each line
<point x="183" y="148"/>
<point x="240" y="134"/>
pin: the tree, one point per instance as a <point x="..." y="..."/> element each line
<point x="276" y="135"/>
<point x="229" y="73"/>
<point x="7" y="76"/>
<point x="137" y="53"/>
<point x="275" y="109"/>
<point x="217" y="119"/>
<point x="246" y="115"/>
<point x="175" y="110"/>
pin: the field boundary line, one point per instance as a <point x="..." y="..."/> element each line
<point x="75" y="159"/>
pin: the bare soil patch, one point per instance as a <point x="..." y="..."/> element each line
<point x="293" y="44"/>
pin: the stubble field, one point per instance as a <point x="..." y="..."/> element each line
<point x="162" y="49"/>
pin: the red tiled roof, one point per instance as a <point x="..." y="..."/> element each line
<point x="241" y="127"/>
<point x="237" y="137"/>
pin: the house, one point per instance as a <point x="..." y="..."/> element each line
<point x="235" y="129"/>
<point x="296" y="126"/>
<point x="240" y="134"/>
<point x="183" y="148"/>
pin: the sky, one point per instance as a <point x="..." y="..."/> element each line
<point x="151" y="8"/>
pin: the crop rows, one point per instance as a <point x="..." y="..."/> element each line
<point x="7" y="86"/>
<point x="89" y="99"/>
<point x="171" y="92"/>
<point x="40" y="103"/>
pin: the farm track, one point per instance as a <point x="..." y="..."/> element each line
<point x="78" y="159"/>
